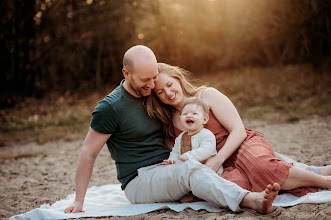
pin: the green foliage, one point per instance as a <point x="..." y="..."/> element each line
<point x="78" y="45"/>
<point x="203" y="35"/>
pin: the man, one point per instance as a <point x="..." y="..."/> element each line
<point x="136" y="143"/>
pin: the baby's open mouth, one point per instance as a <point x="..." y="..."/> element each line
<point x="189" y="121"/>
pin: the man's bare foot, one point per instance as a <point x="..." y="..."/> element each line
<point x="325" y="171"/>
<point x="262" y="201"/>
<point x="270" y="194"/>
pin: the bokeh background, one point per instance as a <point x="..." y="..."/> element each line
<point x="59" y="57"/>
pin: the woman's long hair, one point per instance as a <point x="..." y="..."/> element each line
<point x="157" y="109"/>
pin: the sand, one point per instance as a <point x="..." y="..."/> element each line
<point x="32" y="174"/>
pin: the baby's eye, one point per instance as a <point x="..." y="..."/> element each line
<point x="195" y="113"/>
<point x="184" y="113"/>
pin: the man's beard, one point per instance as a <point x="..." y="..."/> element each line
<point x="138" y="91"/>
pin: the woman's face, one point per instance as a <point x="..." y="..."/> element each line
<point x="169" y="90"/>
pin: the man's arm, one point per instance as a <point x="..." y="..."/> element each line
<point x="92" y="145"/>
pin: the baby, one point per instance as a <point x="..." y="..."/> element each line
<point x="197" y="142"/>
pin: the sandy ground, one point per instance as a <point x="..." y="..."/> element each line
<point x="31" y="174"/>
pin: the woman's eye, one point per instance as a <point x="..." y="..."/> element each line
<point x="159" y="93"/>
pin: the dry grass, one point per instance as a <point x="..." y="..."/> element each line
<point x="287" y="93"/>
<point x="52" y="118"/>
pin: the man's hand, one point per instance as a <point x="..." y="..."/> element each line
<point x="183" y="157"/>
<point x="168" y="162"/>
<point x="74" y="207"/>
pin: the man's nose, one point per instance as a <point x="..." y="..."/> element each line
<point x="151" y="84"/>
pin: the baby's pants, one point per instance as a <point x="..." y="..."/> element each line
<point x="169" y="183"/>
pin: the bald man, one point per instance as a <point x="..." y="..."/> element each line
<point x="136" y="143"/>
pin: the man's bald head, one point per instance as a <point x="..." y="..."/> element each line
<point x="137" y="57"/>
<point x="139" y="70"/>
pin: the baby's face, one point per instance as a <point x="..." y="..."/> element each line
<point x="193" y="118"/>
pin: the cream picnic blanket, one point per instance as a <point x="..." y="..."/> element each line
<point x="110" y="200"/>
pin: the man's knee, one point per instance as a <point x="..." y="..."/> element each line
<point x="190" y="167"/>
<point x="192" y="164"/>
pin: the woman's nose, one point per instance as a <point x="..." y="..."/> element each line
<point x="167" y="92"/>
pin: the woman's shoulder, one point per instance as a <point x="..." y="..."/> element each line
<point x="209" y="93"/>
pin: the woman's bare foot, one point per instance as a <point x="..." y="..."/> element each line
<point x="325" y="171"/>
<point x="328" y="180"/>
<point x="261" y="202"/>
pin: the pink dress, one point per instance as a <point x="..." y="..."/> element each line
<point x="253" y="165"/>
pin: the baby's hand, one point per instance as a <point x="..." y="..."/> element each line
<point x="183" y="157"/>
<point x="168" y="162"/>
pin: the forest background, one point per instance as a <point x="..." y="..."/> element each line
<point x="59" y="58"/>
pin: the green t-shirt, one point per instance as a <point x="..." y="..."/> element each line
<point x="136" y="139"/>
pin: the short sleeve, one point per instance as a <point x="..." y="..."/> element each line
<point x="104" y="118"/>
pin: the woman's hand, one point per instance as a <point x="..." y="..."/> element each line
<point x="214" y="163"/>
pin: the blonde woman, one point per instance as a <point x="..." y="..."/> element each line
<point x="248" y="159"/>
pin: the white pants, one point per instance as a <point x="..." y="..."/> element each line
<point x="167" y="183"/>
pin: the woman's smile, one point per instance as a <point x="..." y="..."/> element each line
<point x="168" y="90"/>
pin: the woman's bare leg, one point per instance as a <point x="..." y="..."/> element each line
<point x="262" y="201"/>
<point x="299" y="177"/>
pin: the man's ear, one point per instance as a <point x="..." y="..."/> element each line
<point x="125" y="73"/>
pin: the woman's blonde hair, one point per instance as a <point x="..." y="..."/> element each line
<point x="157" y="109"/>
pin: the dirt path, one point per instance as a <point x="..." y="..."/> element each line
<point x="31" y="174"/>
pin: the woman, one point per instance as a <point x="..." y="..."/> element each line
<point x="248" y="159"/>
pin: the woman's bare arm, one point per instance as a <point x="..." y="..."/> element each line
<point x="227" y="114"/>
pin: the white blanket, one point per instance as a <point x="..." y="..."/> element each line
<point x="109" y="200"/>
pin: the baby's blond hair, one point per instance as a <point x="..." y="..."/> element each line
<point x="198" y="102"/>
